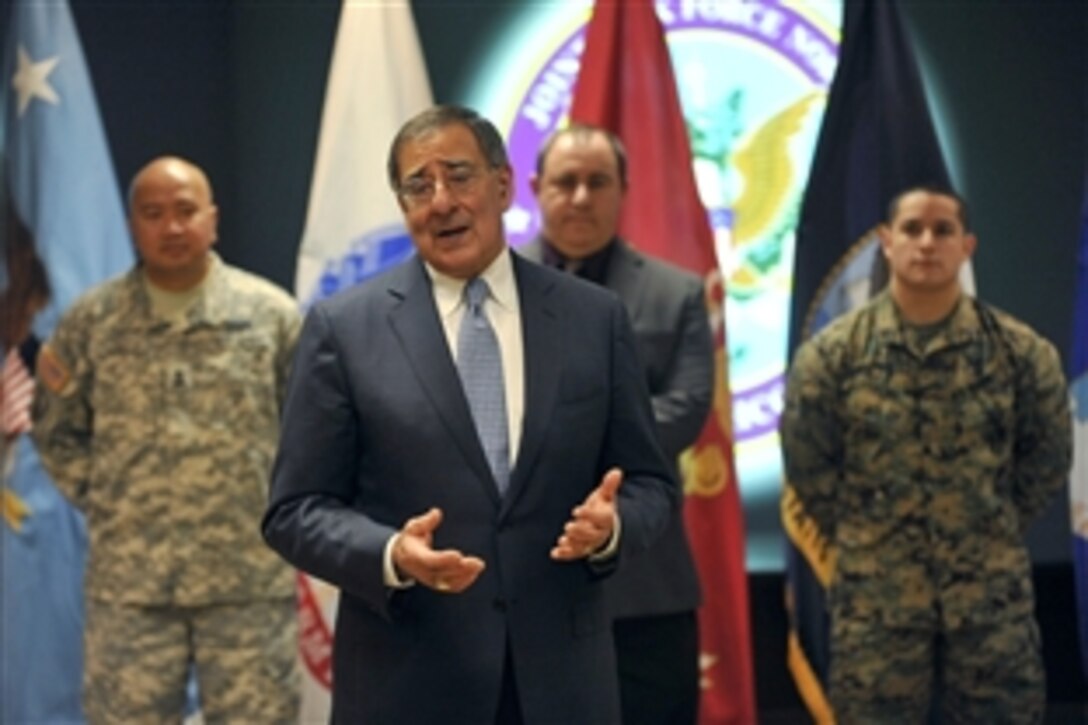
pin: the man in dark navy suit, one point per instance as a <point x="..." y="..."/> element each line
<point x="470" y="556"/>
<point x="580" y="181"/>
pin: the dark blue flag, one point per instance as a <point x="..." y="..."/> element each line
<point x="877" y="139"/>
<point x="1078" y="377"/>
<point x="63" y="230"/>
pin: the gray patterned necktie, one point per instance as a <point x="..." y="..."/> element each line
<point x="480" y="368"/>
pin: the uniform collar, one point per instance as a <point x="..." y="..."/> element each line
<point x="961" y="327"/>
<point x="212" y="307"/>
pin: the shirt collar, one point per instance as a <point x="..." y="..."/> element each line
<point x="593" y="267"/>
<point x="499" y="276"/>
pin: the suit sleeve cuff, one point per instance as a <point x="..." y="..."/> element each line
<point x="612" y="545"/>
<point x="389" y="570"/>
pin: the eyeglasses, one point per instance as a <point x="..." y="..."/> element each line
<point x="419" y="191"/>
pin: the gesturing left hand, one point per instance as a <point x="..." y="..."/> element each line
<point x="592" y="521"/>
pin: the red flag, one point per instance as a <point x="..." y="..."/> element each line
<point x="626" y="85"/>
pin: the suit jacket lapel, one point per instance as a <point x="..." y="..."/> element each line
<point x="624" y="277"/>
<point x="542" y="344"/>
<point x="415" y="324"/>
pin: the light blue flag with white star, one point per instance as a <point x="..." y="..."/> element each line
<point x="63" y="231"/>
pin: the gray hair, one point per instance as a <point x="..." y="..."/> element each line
<point x="436" y="117"/>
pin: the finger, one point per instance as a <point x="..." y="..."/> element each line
<point x="474" y="565"/>
<point x="567" y="552"/>
<point x="610" y="485"/>
<point x="414" y="556"/>
<point x="584" y="533"/>
<point x="563" y="553"/>
<point x="424" y="524"/>
<point x="458" y="578"/>
<point x="568" y="548"/>
<point x="465" y="567"/>
<point x="587" y="543"/>
<point x="442" y="562"/>
<point x="599" y="516"/>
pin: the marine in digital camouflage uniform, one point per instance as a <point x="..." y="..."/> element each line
<point x="924" y="433"/>
<point x="157" y="414"/>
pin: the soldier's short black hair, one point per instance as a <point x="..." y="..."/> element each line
<point x="938" y="190"/>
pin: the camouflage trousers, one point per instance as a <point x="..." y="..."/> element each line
<point x="137" y="662"/>
<point x="983" y="674"/>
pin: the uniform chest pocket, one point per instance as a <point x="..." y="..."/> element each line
<point x="127" y="380"/>
<point x="984" y="419"/>
<point x="877" y="408"/>
<point x="222" y="378"/>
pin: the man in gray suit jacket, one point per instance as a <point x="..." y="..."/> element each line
<point x="470" y="555"/>
<point x="580" y="183"/>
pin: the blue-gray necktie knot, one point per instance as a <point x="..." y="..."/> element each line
<point x="479" y="365"/>
<point x="476" y="291"/>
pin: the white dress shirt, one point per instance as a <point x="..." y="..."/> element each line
<point x="503" y="310"/>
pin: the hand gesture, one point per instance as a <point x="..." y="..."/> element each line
<point x="446" y="570"/>
<point x="591" y="523"/>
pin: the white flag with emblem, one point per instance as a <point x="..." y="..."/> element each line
<point x="377" y="81"/>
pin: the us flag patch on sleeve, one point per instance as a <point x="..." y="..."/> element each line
<point x="51" y="371"/>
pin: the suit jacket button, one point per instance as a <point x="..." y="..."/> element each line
<point x="499" y="604"/>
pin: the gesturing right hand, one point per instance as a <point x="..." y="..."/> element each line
<point x="446" y="570"/>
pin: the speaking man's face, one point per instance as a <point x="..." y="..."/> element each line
<point x="453" y="200"/>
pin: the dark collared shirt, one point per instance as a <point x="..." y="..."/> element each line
<point x="593" y="268"/>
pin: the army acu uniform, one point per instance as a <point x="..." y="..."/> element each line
<point x="162" y="429"/>
<point x="924" y="454"/>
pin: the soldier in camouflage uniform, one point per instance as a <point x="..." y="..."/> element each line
<point x="157" y="414"/>
<point x="923" y="433"/>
